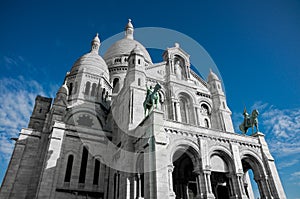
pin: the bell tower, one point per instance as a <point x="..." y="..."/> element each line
<point x="221" y="114"/>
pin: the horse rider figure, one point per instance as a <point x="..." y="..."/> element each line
<point x="249" y="121"/>
<point x="151" y="98"/>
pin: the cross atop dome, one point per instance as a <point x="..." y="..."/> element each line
<point x="129" y="30"/>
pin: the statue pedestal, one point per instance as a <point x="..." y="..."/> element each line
<point x="258" y="134"/>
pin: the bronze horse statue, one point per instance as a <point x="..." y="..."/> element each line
<point x="151" y="98"/>
<point x="249" y="121"/>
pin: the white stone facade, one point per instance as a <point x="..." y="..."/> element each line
<point x="95" y="140"/>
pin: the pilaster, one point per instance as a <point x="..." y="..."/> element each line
<point x="272" y="181"/>
<point x="51" y="165"/>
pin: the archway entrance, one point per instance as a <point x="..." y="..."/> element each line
<point x="249" y="184"/>
<point x="219" y="181"/>
<point x="184" y="180"/>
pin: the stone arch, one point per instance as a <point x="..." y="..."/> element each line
<point x="251" y="161"/>
<point x="221" y="166"/>
<point x="203" y="102"/>
<point x="224" y="153"/>
<point x="186" y="92"/>
<point x="185" y="161"/>
<point x="185" y="145"/>
<point x="254" y="160"/>
<point x="186" y="108"/>
<point x="182" y="57"/>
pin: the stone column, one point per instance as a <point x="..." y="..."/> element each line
<point x="172" y="66"/>
<point x="232" y="189"/>
<point x="173" y="103"/>
<point x="198" y="116"/>
<point x="139" y="188"/>
<point x="260" y="187"/>
<point x="198" y="182"/>
<point x="170" y="178"/>
<point x="135" y="187"/>
<point x="178" y="112"/>
<point x="128" y="186"/>
<point x="208" y="189"/>
<point x="239" y="188"/>
<point x="263" y="186"/>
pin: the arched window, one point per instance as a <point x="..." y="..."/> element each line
<point x="70" y="88"/>
<point x="83" y="165"/>
<point x="96" y="172"/>
<point x="116" y="85"/>
<point x="103" y="93"/>
<point x="93" y="93"/>
<point x="139" y="61"/>
<point x="87" y="88"/>
<point x="139" y="81"/>
<point x="183" y="109"/>
<point x="69" y="168"/>
<point x="224" y="106"/>
<point x="204" y="109"/>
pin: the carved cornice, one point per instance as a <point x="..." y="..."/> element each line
<point x="209" y="136"/>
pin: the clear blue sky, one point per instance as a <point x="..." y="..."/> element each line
<point x="255" y="44"/>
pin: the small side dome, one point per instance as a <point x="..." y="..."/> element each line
<point x="91" y="62"/>
<point x="212" y="76"/>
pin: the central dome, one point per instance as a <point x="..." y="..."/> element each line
<point x="124" y="46"/>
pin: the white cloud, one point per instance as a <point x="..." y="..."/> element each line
<point x="296" y="174"/>
<point x="288" y="163"/>
<point x="17" y="98"/>
<point x="280" y="126"/>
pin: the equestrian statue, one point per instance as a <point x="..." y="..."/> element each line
<point x="249" y="121"/>
<point x="151" y="98"/>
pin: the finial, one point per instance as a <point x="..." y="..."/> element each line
<point x="129" y="30"/>
<point x="96" y="44"/>
<point x="177" y="45"/>
<point x="210" y="70"/>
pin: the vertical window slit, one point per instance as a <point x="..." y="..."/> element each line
<point x="83" y="165"/>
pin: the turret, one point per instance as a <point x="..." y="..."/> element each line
<point x="221" y="114"/>
<point x="41" y="108"/>
<point x="136" y="68"/>
<point x="60" y="102"/>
